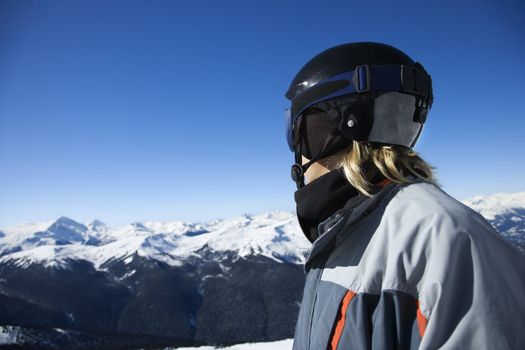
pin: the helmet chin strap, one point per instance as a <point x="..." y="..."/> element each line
<point x="298" y="171"/>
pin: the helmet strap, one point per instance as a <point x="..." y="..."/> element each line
<point x="298" y="171"/>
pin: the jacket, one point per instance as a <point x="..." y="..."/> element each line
<point x="411" y="268"/>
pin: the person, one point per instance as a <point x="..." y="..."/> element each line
<point x="396" y="262"/>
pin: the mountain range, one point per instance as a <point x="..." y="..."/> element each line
<point x="66" y="284"/>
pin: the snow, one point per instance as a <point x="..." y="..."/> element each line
<point x="275" y="235"/>
<point x="27" y="228"/>
<point x="496" y="204"/>
<point x="276" y="345"/>
<point x="44" y="254"/>
<point x="8" y="335"/>
<point x="95" y="225"/>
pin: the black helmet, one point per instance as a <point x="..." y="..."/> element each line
<point x="362" y="91"/>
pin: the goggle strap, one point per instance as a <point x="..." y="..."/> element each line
<point x="409" y="79"/>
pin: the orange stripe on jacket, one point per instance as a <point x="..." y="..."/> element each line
<point x="421" y="321"/>
<point x="341" y="319"/>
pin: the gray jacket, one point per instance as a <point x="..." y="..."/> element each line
<point x="411" y="268"/>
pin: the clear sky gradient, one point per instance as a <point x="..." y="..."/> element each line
<point x="173" y="110"/>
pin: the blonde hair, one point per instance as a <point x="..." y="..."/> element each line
<point x="361" y="160"/>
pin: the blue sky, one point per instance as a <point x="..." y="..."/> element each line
<point x="173" y="110"/>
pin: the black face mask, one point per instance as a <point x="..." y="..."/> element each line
<point x="321" y="198"/>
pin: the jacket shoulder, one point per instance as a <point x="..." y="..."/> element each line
<point x="424" y="201"/>
<point x="419" y="231"/>
<point x="423" y="210"/>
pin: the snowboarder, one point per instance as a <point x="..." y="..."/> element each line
<point x="396" y="262"/>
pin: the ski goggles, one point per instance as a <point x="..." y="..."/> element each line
<point x="317" y="133"/>
<point x="364" y="78"/>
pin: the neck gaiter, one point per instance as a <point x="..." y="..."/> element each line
<point x="321" y="198"/>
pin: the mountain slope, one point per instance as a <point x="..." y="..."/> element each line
<point x="275" y="235"/>
<point x="506" y="212"/>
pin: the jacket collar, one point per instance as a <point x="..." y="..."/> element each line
<point x="354" y="211"/>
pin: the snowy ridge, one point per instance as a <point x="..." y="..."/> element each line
<point x="496" y="204"/>
<point x="506" y="212"/>
<point x="27" y="228"/>
<point x="275" y="235"/>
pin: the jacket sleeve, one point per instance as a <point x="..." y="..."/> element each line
<point x="472" y="292"/>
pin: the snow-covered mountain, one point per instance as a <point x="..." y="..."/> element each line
<point x="66" y="284"/>
<point x="506" y="212"/>
<point x="88" y="285"/>
<point x="275" y="235"/>
<point x="497" y="204"/>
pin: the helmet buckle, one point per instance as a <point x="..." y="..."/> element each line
<point x="361" y="78"/>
